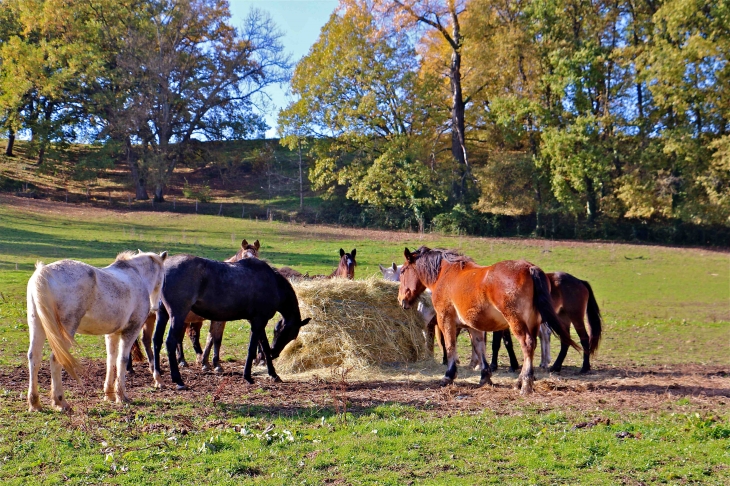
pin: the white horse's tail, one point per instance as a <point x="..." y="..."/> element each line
<point x="58" y="337"/>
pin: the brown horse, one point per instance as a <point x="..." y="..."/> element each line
<point x="572" y="300"/>
<point x="511" y="295"/>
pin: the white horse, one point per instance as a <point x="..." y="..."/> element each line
<point x="68" y="296"/>
<point x="427" y="313"/>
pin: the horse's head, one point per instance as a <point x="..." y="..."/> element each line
<point x="247" y="250"/>
<point x="391" y="273"/>
<point x="410" y="282"/>
<point x="346" y="269"/>
<point x="285" y="332"/>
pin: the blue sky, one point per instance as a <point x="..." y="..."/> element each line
<point x="301" y="21"/>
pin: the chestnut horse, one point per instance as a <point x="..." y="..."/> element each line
<point x="511" y="295"/>
<point x="572" y="300"/>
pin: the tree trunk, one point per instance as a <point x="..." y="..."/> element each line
<point x="139" y="182"/>
<point x="458" y="145"/>
<point x="41" y="155"/>
<point x="301" y="183"/>
<point x="11" y="143"/>
<point x="159" y="196"/>
<point x="591" y="203"/>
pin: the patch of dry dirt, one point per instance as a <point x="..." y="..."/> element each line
<point x="658" y="388"/>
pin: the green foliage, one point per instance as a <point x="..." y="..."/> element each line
<point x="201" y="193"/>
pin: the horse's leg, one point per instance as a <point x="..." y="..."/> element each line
<point x="148" y="330"/>
<point x="528" y="341"/>
<point x="252" y="348"/>
<point x="160" y="325"/>
<point x="112" y="348"/>
<point x="448" y="329"/>
<point x="125" y="342"/>
<point x="478" y="342"/>
<point x="180" y="353"/>
<point x="215" y="338"/>
<point x="194" y="334"/>
<point x="174" y="338"/>
<point x="496" y="344"/>
<point x="544" y="346"/>
<point x="35" y="356"/>
<point x="57" y="399"/>
<point x="431" y="335"/>
<point x="514" y="365"/>
<point x="580" y="328"/>
<point x="442" y="346"/>
<point x="269" y="362"/>
<point x="479" y="346"/>
<point x="564" y="345"/>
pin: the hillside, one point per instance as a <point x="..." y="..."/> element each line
<point x="258" y="177"/>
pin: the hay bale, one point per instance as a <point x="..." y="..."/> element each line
<point x="354" y="323"/>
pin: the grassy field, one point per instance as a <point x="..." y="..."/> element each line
<point x="663" y="307"/>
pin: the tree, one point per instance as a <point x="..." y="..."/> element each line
<point x="445" y="18"/>
<point x="199" y="76"/>
<point x="360" y="105"/>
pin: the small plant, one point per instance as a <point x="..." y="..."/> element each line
<point x="201" y="194"/>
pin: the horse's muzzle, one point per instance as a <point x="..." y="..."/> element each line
<point x="405" y="304"/>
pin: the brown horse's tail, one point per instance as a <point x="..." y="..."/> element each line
<point x="594" y="318"/>
<point x="544" y="304"/>
<point x="137" y="352"/>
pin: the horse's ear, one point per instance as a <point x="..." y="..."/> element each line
<point x="408" y="255"/>
<point x="163" y="255"/>
<point x="354" y="252"/>
<point x="139" y="252"/>
<point x="394" y="267"/>
<point x="244" y="243"/>
<point x="305" y="321"/>
<point x="257" y="245"/>
<point x="382" y="268"/>
<point x="342" y="252"/>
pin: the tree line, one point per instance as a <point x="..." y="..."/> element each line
<point x="142" y="79"/>
<point x="611" y="109"/>
<point x="438" y="111"/>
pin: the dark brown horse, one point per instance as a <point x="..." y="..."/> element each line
<point x="511" y="295"/>
<point x="193" y="325"/>
<point x="345" y="269"/>
<point x="572" y="300"/>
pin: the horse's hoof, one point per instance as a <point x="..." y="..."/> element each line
<point x="445" y="381"/>
<point x="124" y="401"/>
<point x="493" y="367"/>
<point x="182" y="364"/>
<point x="584" y="371"/>
<point x="276" y="379"/>
<point x="486" y="381"/>
<point x="511" y="369"/>
<point x="218" y="369"/>
<point x="526" y="390"/>
<point x="181" y="387"/>
<point x="249" y="379"/>
<point x="205" y="367"/>
<point x="63" y="407"/>
<point x="555" y="369"/>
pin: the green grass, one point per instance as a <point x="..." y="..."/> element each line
<point x="661" y="306"/>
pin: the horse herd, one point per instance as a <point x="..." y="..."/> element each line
<point x="140" y="292"/>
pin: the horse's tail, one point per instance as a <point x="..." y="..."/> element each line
<point x="58" y="338"/>
<point x="137" y="355"/>
<point x="544" y="304"/>
<point x="594" y="318"/>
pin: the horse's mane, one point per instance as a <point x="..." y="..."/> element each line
<point x="131" y="255"/>
<point x="428" y="261"/>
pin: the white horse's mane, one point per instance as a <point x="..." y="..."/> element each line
<point x="130" y="255"/>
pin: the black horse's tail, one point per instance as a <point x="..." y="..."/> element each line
<point x="594" y="318"/>
<point x="544" y="304"/>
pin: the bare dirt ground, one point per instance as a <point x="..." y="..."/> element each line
<point x="649" y="389"/>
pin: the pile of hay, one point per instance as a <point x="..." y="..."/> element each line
<point x="354" y="323"/>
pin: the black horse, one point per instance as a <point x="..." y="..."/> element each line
<point x="220" y="291"/>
